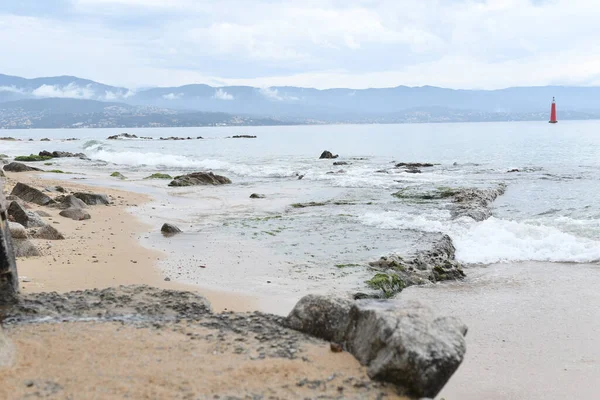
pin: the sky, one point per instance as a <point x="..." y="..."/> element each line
<point x="462" y="44"/>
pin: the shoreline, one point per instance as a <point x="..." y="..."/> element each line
<point x="105" y="250"/>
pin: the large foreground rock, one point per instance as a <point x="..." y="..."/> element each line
<point x="199" y="178"/>
<point x="19" y="167"/>
<point x="29" y="219"/>
<point x="9" y="283"/>
<point x="402" y="343"/>
<point x="31" y="194"/>
<point x="76" y="214"/>
<point x="92" y="199"/>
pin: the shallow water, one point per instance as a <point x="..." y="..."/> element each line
<point x="548" y="213"/>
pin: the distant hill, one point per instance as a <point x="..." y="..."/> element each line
<point x="305" y="105"/>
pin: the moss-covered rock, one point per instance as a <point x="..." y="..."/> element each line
<point x="389" y="284"/>
<point x="159" y="175"/>
<point x="118" y="175"/>
<point x="32" y="157"/>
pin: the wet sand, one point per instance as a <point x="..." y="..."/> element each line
<point x="533" y="330"/>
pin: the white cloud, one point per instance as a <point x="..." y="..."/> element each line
<point x="172" y="96"/>
<point x="220" y="94"/>
<point x="69" y="91"/>
<point x="11" y="89"/>
<point x="118" y="95"/>
<point x="274" y="95"/>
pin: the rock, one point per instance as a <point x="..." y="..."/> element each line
<point x="328" y="154"/>
<point x="9" y="280"/>
<point x="413" y="165"/>
<point x="413" y="171"/>
<point x="243" y="137"/>
<point x="257" y="196"/>
<point x="47" y="232"/>
<point x="118" y="175"/>
<point x="169" y="229"/>
<point x="76" y="214"/>
<point x="43" y="213"/>
<point x="92" y="199"/>
<point x="54" y="189"/>
<point x="513" y="170"/>
<point x="122" y="136"/>
<point x="24" y="248"/>
<point x="159" y="175"/>
<point x="17" y="231"/>
<point x="341" y="163"/>
<point x="19" y="167"/>
<point x="61" y="154"/>
<point x="44" y="140"/>
<point x="30" y="194"/>
<point x="476" y="203"/>
<point x="28" y="219"/>
<point x="70" y="201"/>
<point x="402" y="343"/>
<point x="199" y="178"/>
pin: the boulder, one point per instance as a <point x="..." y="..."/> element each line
<point x="257" y="196"/>
<point x="402" y="343"/>
<point x="70" y="201"/>
<point x="328" y="154"/>
<point x="47" y="232"/>
<point x="24" y="248"/>
<point x="19" y="167"/>
<point x="92" y="199"/>
<point x="17" y="231"/>
<point x="76" y="214"/>
<point x="169" y="229"/>
<point x="199" y="178"/>
<point x="30" y="194"/>
<point x="28" y="219"/>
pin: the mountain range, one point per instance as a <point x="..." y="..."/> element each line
<point x="68" y="101"/>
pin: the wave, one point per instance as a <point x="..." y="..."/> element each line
<point x="495" y="240"/>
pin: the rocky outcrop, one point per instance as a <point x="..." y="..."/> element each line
<point x="9" y="282"/>
<point x="61" y="154"/>
<point x="17" y="231"/>
<point x="76" y="214"/>
<point x="92" y="199"/>
<point x="403" y="343"/>
<point x="169" y="229"/>
<point x="19" y="167"/>
<point x="48" y="233"/>
<point x="122" y="136"/>
<point x="27" y="218"/>
<point x="476" y="203"/>
<point x="31" y="195"/>
<point x="328" y="155"/>
<point x="257" y="196"/>
<point x="199" y="178"/>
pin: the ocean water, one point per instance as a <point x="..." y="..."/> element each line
<point x="549" y="213"/>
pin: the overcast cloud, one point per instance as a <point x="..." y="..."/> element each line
<point x="324" y="43"/>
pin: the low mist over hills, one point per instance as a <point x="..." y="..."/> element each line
<point x="66" y="101"/>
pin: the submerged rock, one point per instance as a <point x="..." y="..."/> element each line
<point x="403" y="343"/>
<point x="92" y="199"/>
<point x="199" y="178"/>
<point x="118" y="175"/>
<point x="30" y="194"/>
<point x="169" y="229"/>
<point x="19" y="167"/>
<point x="257" y="196"/>
<point x="414" y="165"/>
<point x="328" y="155"/>
<point x="341" y="163"/>
<point x="122" y="136"/>
<point x="76" y="214"/>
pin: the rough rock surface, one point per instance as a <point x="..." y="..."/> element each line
<point x="70" y="201"/>
<point x="76" y="214"/>
<point x="199" y="178"/>
<point x="92" y="199"/>
<point x="121" y="136"/>
<point x="9" y="282"/>
<point x="169" y="229"/>
<point x="19" y="167"/>
<point x="29" y="219"/>
<point x="24" y="248"/>
<point x="327" y="154"/>
<point x="30" y="194"/>
<point x="257" y="196"/>
<point x="17" y="231"/>
<point x="476" y="203"/>
<point x="47" y="232"/>
<point x="134" y="301"/>
<point x="402" y="343"/>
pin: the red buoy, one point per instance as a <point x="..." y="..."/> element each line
<point x="553" y="113"/>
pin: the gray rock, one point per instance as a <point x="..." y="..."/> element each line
<point x="54" y="189"/>
<point x="70" y="201"/>
<point x="199" y="178"/>
<point x="9" y="282"/>
<point x="402" y="343"/>
<point x="17" y="231"/>
<point x="47" y="232"/>
<point x="257" y="196"/>
<point x="476" y="203"/>
<point x="28" y="219"/>
<point x="76" y="214"/>
<point x="92" y="199"/>
<point x="24" y="248"/>
<point x="31" y="194"/>
<point x="341" y="163"/>
<point x="327" y="155"/>
<point x="169" y="229"/>
<point x="19" y="167"/>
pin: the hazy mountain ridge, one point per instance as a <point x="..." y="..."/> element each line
<point x="285" y="104"/>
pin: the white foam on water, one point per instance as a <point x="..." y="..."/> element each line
<point x="495" y="240"/>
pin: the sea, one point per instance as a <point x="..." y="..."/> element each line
<point x="320" y="224"/>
